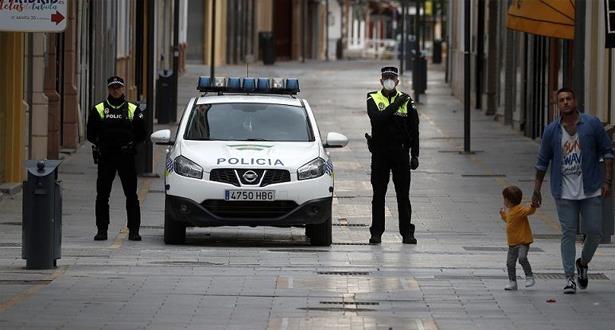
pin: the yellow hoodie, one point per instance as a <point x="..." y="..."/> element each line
<point x="518" y="229"/>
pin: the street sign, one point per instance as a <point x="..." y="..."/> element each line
<point x="33" y="16"/>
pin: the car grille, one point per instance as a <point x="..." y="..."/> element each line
<point x="232" y="176"/>
<point x="225" y="176"/>
<point x="275" y="176"/>
<point x="249" y="209"/>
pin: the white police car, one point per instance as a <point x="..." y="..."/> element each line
<point x="248" y="152"/>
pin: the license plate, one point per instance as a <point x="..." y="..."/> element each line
<point x="249" y="195"/>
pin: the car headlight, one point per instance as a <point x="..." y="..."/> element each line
<point x="311" y="170"/>
<point x="186" y="167"/>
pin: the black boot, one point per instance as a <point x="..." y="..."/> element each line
<point x="134" y="236"/>
<point x="409" y="239"/>
<point x="101" y="235"/>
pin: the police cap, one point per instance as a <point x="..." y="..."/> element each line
<point x="115" y="80"/>
<point x="389" y="70"/>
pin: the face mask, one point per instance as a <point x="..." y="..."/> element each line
<point x="389" y="84"/>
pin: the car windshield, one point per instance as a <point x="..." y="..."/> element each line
<point x="248" y="122"/>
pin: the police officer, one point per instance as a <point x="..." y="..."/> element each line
<point x="394" y="145"/>
<point x="115" y="126"/>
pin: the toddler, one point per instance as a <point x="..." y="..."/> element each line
<point x="518" y="235"/>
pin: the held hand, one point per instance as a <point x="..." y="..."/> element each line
<point x="400" y="100"/>
<point x="606" y="190"/>
<point x="536" y="198"/>
<point x="414" y="163"/>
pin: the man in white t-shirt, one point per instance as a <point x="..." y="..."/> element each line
<point x="575" y="143"/>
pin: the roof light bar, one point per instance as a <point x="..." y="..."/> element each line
<point x="218" y="84"/>
<point x="263" y="84"/>
<point x="249" y="85"/>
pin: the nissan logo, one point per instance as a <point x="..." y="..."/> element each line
<point x="250" y="176"/>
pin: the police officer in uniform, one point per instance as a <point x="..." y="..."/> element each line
<point x="394" y="145"/>
<point x="115" y="126"/>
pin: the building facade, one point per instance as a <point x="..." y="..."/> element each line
<point x="515" y="74"/>
<point x="53" y="79"/>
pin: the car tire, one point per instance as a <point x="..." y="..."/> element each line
<point x="320" y="234"/>
<point x="174" y="231"/>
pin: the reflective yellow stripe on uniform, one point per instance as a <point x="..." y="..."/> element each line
<point x="132" y="108"/>
<point x="382" y="101"/>
<point x="100" y="107"/>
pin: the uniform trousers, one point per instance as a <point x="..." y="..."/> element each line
<point x="385" y="162"/>
<point x="124" y="165"/>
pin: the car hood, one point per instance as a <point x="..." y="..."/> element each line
<point x="241" y="154"/>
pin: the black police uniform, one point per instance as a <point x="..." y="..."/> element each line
<point x="394" y="139"/>
<point x="115" y="136"/>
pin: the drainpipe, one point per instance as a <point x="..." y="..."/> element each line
<point x="212" y="54"/>
<point x="466" y="78"/>
<point x="492" y="65"/>
<point x="579" y="53"/>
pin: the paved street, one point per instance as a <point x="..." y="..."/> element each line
<point x="270" y="278"/>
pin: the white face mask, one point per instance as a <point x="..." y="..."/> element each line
<point x="389" y="84"/>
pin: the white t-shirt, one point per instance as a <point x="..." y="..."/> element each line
<point x="572" y="173"/>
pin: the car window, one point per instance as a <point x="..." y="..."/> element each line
<point x="248" y="122"/>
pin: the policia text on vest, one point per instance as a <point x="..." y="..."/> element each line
<point x="115" y="126"/>
<point x="394" y="145"/>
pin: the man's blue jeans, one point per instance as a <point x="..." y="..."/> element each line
<point x="568" y="211"/>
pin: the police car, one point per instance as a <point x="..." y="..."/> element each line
<point x="248" y="152"/>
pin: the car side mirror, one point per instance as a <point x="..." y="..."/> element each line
<point x="162" y="137"/>
<point x="336" y="140"/>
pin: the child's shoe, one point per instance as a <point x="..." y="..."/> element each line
<point x="512" y="286"/>
<point x="529" y="281"/>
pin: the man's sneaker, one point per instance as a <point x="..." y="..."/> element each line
<point x="570" y="287"/>
<point x="134" y="236"/>
<point x="582" y="275"/>
<point x="529" y="281"/>
<point x="512" y="286"/>
<point x="101" y="236"/>
<point x="409" y="239"/>
<point x="375" y="239"/>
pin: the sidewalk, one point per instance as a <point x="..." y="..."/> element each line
<point x="269" y="278"/>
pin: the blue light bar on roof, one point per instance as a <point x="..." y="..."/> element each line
<point x="234" y="84"/>
<point x="248" y="85"/>
<point x="218" y="84"/>
<point x="263" y="84"/>
<point x="292" y="85"/>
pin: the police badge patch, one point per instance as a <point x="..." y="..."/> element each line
<point x="381" y="106"/>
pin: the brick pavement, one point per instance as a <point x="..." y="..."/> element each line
<point x="269" y="278"/>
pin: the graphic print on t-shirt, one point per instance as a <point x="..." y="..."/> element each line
<point x="571" y="155"/>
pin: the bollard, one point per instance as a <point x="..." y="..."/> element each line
<point x="42" y="215"/>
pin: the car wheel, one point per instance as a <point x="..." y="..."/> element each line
<point x="174" y="231"/>
<point x="320" y="234"/>
<point x="308" y="231"/>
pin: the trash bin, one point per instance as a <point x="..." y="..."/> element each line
<point x="166" y="101"/>
<point x="42" y="215"/>
<point x="437" y="52"/>
<point x="419" y="74"/>
<point x="266" y="43"/>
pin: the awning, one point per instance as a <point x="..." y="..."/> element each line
<point x="550" y="18"/>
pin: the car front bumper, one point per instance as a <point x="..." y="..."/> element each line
<point x="213" y="213"/>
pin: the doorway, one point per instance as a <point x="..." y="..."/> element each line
<point x="282" y="28"/>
